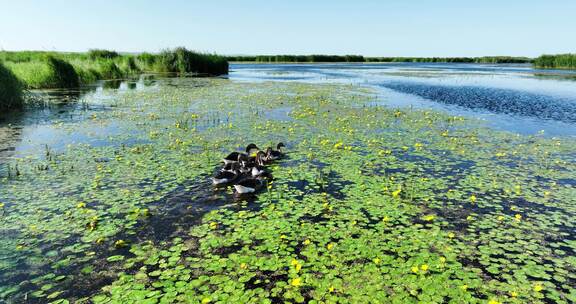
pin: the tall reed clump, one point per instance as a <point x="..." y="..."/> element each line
<point x="562" y="61"/>
<point x="63" y="73"/>
<point x="50" y="72"/>
<point x="109" y="70"/>
<point x="11" y="90"/>
<point x="102" y="54"/>
<point x="182" y="61"/>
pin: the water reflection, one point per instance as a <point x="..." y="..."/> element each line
<point x="37" y="126"/>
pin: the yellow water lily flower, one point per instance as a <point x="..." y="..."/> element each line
<point x="243" y="266"/>
<point x="80" y="205"/>
<point x="414" y="269"/>
<point x="429" y="217"/>
<point x="494" y="302"/>
<point x="331" y="289"/>
<point x="386" y="219"/>
<point x="513" y="294"/>
<point x="464" y="287"/>
<point x="206" y="300"/>
<point x="213" y="225"/>
<point x="538" y="287"/>
<point x="518" y="217"/>
<point x="472" y="198"/>
<point x="451" y="235"/>
<point x="424" y="267"/>
<point x="296" y="282"/>
<point x="330" y="246"/>
<point x="307" y="242"/>
<point x="500" y="218"/>
<point x="376" y="261"/>
<point x="396" y="193"/>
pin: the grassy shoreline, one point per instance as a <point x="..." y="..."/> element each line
<point x="561" y="61"/>
<point x="39" y="69"/>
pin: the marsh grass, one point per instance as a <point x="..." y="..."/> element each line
<point x="50" y="72"/>
<point x="102" y="54"/>
<point x="563" y="61"/>
<point x="62" y="70"/>
<point x="182" y="61"/>
<point x="11" y="90"/>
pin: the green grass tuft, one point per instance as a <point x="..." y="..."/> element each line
<point x="63" y="73"/>
<point x="48" y="73"/>
<point x="182" y="61"/>
<point x="11" y="90"/>
<point x="109" y="70"/>
<point x="102" y="54"/>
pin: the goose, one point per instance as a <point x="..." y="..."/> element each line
<point x="233" y="157"/>
<point x="258" y="168"/>
<point x="251" y="185"/>
<point x="251" y="161"/>
<point x="231" y="167"/>
<point x="275" y="154"/>
<point x="225" y="177"/>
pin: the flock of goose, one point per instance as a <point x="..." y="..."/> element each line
<point x="247" y="171"/>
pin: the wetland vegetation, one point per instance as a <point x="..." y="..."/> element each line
<point x="563" y="61"/>
<point x="10" y="90"/>
<point x="371" y="204"/>
<point x="40" y="70"/>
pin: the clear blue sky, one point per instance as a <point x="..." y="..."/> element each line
<point x="372" y="28"/>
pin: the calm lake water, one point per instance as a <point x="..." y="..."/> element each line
<point x="513" y="97"/>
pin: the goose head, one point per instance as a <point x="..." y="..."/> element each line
<point x="251" y="147"/>
<point x="260" y="158"/>
<point x="280" y="146"/>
